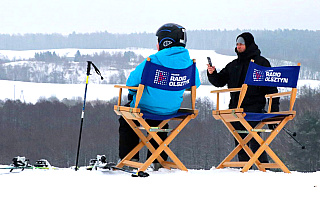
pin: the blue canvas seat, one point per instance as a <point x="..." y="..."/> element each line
<point x="150" y="78"/>
<point x="147" y="115"/>
<point x="284" y="76"/>
<point x="260" y="116"/>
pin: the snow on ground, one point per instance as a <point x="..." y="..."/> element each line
<point x="68" y="52"/>
<point x="200" y="55"/>
<point x="170" y="184"/>
<point x="31" y="92"/>
<point x="218" y="60"/>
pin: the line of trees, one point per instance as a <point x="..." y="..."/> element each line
<point x="49" y="129"/>
<point x="48" y="67"/>
<point x="293" y="45"/>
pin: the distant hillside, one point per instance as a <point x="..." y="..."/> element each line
<point x="292" y="45"/>
<point x="68" y="66"/>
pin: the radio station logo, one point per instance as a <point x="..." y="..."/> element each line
<point x="161" y="77"/>
<point x="177" y="80"/>
<point x="269" y="76"/>
<point x="258" y="75"/>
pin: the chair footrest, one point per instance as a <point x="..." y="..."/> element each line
<point x="270" y="165"/>
<point x="167" y="164"/>
<point x="234" y="164"/>
<point x="132" y="163"/>
<point x="242" y="164"/>
<point x="256" y="130"/>
<point x="157" y="129"/>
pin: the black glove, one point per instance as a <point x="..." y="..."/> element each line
<point x="130" y="97"/>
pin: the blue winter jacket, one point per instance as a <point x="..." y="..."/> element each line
<point x="159" y="101"/>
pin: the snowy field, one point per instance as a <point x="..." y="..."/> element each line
<point x="31" y="92"/>
<point x="175" y="184"/>
<point x="218" y="60"/>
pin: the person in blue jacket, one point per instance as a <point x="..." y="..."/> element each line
<point x="171" y="54"/>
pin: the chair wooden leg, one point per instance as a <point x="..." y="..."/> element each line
<point x="264" y="146"/>
<point x="131" y="154"/>
<point x="253" y="158"/>
<point x="144" y="142"/>
<point x="163" y="145"/>
<point x="242" y="145"/>
<point x="277" y="160"/>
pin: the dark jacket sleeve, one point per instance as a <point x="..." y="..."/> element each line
<point x="219" y="79"/>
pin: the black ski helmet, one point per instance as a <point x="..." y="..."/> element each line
<point x="170" y="35"/>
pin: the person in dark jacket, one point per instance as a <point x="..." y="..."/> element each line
<point x="233" y="75"/>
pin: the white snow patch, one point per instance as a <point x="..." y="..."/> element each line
<point x="171" y="184"/>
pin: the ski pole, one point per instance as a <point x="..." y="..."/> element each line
<point x="292" y="136"/>
<point x="84" y="105"/>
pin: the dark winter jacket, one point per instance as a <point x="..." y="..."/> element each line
<point x="233" y="75"/>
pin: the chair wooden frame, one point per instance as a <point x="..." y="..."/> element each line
<point x="238" y="115"/>
<point x="134" y="114"/>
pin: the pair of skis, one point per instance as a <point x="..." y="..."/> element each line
<point x="112" y="166"/>
<point x="133" y="174"/>
<point x="24" y="167"/>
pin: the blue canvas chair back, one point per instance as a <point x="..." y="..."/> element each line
<point x="284" y="76"/>
<point x="158" y="76"/>
<point x="164" y="78"/>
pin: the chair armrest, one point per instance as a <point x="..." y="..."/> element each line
<point x="126" y="87"/>
<point x="226" y="90"/>
<point x="274" y="95"/>
<point x="222" y="91"/>
<point x="278" y="94"/>
<point x="120" y="91"/>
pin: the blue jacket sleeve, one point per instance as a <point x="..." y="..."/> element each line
<point x="198" y="82"/>
<point x="134" y="78"/>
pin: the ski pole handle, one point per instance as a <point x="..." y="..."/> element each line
<point x="95" y="68"/>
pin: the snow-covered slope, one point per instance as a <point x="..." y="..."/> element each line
<point x="26" y="68"/>
<point x="31" y="92"/>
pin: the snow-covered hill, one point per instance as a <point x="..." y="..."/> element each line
<point x="31" y="92"/>
<point x="26" y="68"/>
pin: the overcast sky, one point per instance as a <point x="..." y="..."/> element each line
<point x="130" y="16"/>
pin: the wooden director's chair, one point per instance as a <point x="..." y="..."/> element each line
<point x="286" y="76"/>
<point x="150" y="78"/>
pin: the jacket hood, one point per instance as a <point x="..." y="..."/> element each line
<point x="250" y="52"/>
<point x="175" y="56"/>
